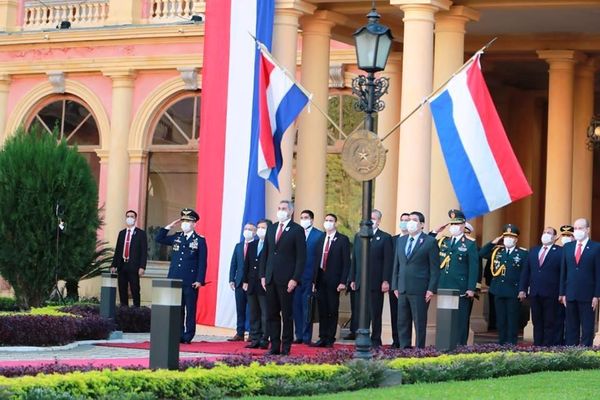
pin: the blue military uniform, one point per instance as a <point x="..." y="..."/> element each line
<point x="188" y="263"/>
<point x="506" y="266"/>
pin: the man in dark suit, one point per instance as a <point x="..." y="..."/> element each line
<point x="129" y="260"/>
<point x="333" y="257"/>
<point x="236" y="280"/>
<point x="302" y="325"/>
<point x="414" y="279"/>
<point x="381" y="258"/>
<point x="280" y="271"/>
<point x="257" y="300"/>
<point x="565" y="236"/>
<point x="540" y="281"/>
<point x="188" y="263"/>
<point x="580" y="284"/>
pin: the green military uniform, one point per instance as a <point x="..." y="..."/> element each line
<point x="459" y="264"/>
<point x="506" y="268"/>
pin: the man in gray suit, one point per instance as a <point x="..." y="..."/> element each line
<point x="414" y="281"/>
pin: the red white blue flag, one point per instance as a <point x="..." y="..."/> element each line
<point x="230" y="192"/>
<point x="280" y="103"/>
<point x="483" y="168"/>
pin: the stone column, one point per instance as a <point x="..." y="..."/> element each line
<point x="311" y="161"/>
<point x="414" y="169"/>
<point x="138" y="178"/>
<point x="386" y="184"/>
<point x="583" y="159"/>
<point x="117" y="187"/>
<point x="4" y="92"/>
<point x="448" y="58"/>
<point x="126" y="12"/>
<point x="559" y="165"/>
<point x="285" y="50"/>
<point x="9" y="9"/>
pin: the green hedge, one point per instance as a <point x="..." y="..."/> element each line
<point x="463" y="367"/>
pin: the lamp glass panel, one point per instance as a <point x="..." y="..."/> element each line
<point x="385" y="44"/>
<point x="366" y="44"/>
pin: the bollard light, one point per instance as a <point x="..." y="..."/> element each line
<point x="165" y="324"/>
<point x="447" y="323"/>
<point x="108" y="295"/>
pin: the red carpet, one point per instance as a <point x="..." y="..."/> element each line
<point x="229" y="348"/>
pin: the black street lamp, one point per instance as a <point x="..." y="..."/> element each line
<point x="373" y="44"/>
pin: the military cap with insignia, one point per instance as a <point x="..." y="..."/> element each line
<point x="456" y="216"/>
<point x="468" y="228"/>
<point x="566" y="230"/>
<point x="510" y="230"/>
<point x="187" y="214"/>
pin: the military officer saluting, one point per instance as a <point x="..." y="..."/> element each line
<point x="188" y="263"/>
<point x="459" y="264"/>
<point x="507" y="262"/>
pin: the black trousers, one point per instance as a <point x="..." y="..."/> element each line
<point x="580" y="323"/>
<point x="412" y="308"/>
<point x="258" y="316"/>
<point x="507" y="319"/>
<point x="128" y="276"/>
<point x="279" y="305"/>
<point x="376" y="309"/>
<point x="328" y="300"/>
<point x="394" y="317"/>
<point x="544" y="316"/>
<point x="240" y="309"/>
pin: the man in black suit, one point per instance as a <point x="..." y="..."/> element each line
<point x="381" y="258"/>
<point x="333" y="260"/>
<point x="129" y="260"/>
<point x="540" y="280"/>
<point x="414" y="280"/>
<point x="580" y="284"/>
<point x="280" y="271"/>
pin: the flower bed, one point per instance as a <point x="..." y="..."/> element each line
<point x="128" y="319"/>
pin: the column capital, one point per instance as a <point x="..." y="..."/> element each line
<point x="561" y="59"/>
<point x="103" y="155"/>
<point x="421" y="9"/>
<point x="5" y="81"/>
<point x="121" y="77"/>
<point x="138" y="156"/>
<point x="587" y="68"/>
<point x="455" y="19"/>
<point x="293" y="7"/>
<point x="321" y="22"/>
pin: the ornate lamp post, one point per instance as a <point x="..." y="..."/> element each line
<point x="593" y="134"/>
<point x="364" y="155"/>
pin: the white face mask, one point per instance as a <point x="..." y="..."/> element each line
<point x="282" y="215"/>
<point x="328" y="225"/>
<point x="186" y="227"/>
<point x="403" y="225"/>
<point x="248" y="234"/>
<point x="546" y="239"/>
<point x="305" y="223"/>
<point x="565" y="239"/>
<point x="412" y="226"/>
<point x="130" y="221"/>
<point x="261" y="232"/>
<point x="509" y="242"/>
<point x="454" y="230"/>
<point x="579" y="234"/>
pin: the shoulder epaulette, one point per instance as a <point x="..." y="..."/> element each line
<point x="472" y="239"/>
<point x="441" y="240"/>
<point x="523" y="248"/>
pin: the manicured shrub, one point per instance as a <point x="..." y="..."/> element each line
<point x="127" y="319"/>
<point x="8" y="304"/>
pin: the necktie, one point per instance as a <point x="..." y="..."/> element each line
<point x="325" y="254"/>
<point x="453" y="242"/>
<point x="543" y="255"/>
<point x="409" y="249"/>
<point x="260" y="247"/>
<point x="279" y="232"/>
<point x="127" y="242"/>
<point x="578" y="253"/>
<point x="245" y="248"/>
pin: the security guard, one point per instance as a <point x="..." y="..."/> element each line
<point x="459" y="264"/>
<point x="506" y="263"/>
<point x="188" y="263"/>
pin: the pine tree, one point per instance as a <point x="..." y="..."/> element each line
<point x="42" y="182"/>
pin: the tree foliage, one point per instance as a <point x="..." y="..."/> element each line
<point x="43" y="180"/>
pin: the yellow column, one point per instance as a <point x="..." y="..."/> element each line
<point x="4" y="90"/>
<point x="285" y="50"/>
<point x="414" y="169"/>
<point x="118" y="166"/>
<point x="583" y="159"/>
<point x="386" y="184"/>
<point x="559" y="152"/>
<point x="448" y="58"/>
<point x="311" y="161"/>
<point x="8" y="15"/>
<point x="124" y="12"/>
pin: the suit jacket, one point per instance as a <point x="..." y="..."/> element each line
<point x="285" y="259"/>
<point x="542" y="280"/>
<point x="236" y="268"/>
<point x="459" y="264"/>
<point x="252" y="268"/>
<point x="338" y="261"/>
<point x="188" y="256"/>
<point x="580" y="282"/>
<point x="420" y="271"/>
<point x="138" y="250"/>
<point x="381" y="260"/>
<point x="310" y="266"/>
<point x="509" y="268"/>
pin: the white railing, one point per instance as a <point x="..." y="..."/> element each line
<point x="164" y="11"/>
<point x="50" y="14"/>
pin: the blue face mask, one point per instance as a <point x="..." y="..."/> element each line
<point x="403" y="225"/>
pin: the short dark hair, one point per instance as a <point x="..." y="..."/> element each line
<point x="264" y="220"/>
<point x="404" y="215"/>
<point x="250" y="223"/>
<point x="420" y="215"/>
<point x="131" y="211"/>
<point x="309" y="212"/>
<point x="553" y="230"/>
<point x="332" y="215"/>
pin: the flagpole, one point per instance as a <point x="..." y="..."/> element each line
<point x="436" y="91"/>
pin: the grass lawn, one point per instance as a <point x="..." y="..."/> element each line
<point x="569" y="385"/>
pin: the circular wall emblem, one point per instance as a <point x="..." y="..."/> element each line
<point x="363" y="155"/>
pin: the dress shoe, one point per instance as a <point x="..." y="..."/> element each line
<point x="236" y="338"/>
<point x="253" y="345"/>
<point x="185" y="341"/>
<point x="319" y="343"/>
<point x="298" y="341"/>
<point x="395" y="345"/>
<point x="264" y="345"/>
<point x="286" y="351"/>
<point x="273" y="352"/>
<point x="350" y="336"/>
